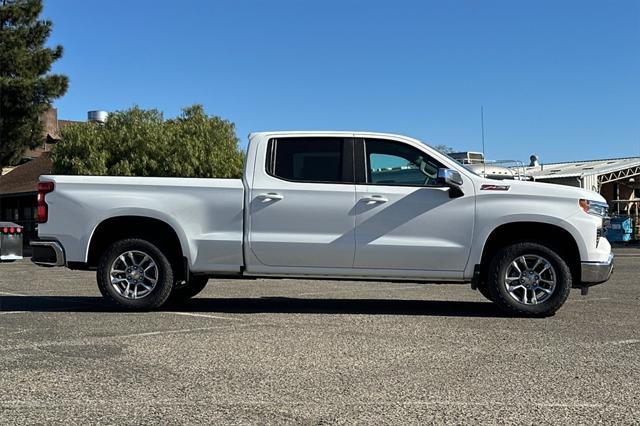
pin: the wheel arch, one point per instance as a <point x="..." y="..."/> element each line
<point x="154" y="230"/>
<point x="554" y="236"/>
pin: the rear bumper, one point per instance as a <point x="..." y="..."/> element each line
<point x="47" y="253"/>
<point x="597" y="272"/>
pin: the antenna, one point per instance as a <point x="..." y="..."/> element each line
<point x="484" y="157"/>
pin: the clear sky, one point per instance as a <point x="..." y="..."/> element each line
<point x="556" y="78"/>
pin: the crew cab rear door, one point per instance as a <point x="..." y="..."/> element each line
<point x="301" y="204"/>
<point x="405" y="220"/>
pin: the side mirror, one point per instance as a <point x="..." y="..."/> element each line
<point x="449" y="177"/>
<point x="452" y="179"/>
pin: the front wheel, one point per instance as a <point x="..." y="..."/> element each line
<point x="529" y="279"/>
<point x="135" y="274"/>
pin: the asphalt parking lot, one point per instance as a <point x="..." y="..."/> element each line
<point x="315" y="352"/>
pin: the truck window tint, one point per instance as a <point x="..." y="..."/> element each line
<point x="396" y="163"/>
<point x="308" y="159"/>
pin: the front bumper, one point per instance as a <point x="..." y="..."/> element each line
<point x="47" y="253"/>
<point x="597" y="272"/>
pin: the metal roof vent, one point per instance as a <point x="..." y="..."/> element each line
<point x="97" y="116"/>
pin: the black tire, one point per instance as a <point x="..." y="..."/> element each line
<point x="185" y="292"/>
<point x="548" y="304"/>
<point x="484" y="290"/>
<point x="158" y="294"/>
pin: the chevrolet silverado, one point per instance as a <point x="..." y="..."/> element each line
<point x="328" y="205"/>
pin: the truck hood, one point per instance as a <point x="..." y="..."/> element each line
<point x="544" y="189"/>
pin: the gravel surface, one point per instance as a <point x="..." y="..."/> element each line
<point x="315" y="352"/>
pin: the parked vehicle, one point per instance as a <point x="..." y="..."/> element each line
<point x="328" y="205"/>
<point x="10" y="242"/>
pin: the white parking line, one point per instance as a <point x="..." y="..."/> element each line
<point x="625" y="342"/>
<point x="190" y="314"/>
<point x="85" y="342"/>
<point x="39" y="403"/>
<point x="13" y="312"/>
<point x="157" y="333"/>
<point x="12" y="294"/>
<point x="589" y="299"/>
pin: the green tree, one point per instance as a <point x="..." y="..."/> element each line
<point x="26" y="87"/>
<point x="138" y="142"/>
<point x="444" y="149"/>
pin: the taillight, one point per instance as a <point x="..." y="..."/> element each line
<point x="11" y="230"/>
<point x="43" y="210"/>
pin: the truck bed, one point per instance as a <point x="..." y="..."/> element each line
<point x="207" y="214"/>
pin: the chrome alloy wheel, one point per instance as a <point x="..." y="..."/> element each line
<point x="134" y="274"/>
<point x="530" y="279"/>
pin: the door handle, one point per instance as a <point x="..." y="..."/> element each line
<point x="270" y="196"/>
<point x="371" y="199"/>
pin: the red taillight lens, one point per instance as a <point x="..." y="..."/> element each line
<point x="18" y="230"/>
<point x="12" y="230"/>
<point x="43" y="210"/>
<point x="5" y="230"/>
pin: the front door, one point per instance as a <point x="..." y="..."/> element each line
<point x="404" y="220"/>
<point x="301" y="211"/>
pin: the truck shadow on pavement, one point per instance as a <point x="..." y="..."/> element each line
<point x="275" y="305"/>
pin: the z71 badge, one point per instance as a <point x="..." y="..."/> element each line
<point x="487" y="187"/>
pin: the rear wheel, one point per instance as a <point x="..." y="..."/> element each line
<point x="184" y="292"/>
<point x="135" y="274"/>
<point x="484" y="290"/>
<point x="529" y="279"/>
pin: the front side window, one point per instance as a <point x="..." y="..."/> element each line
<point x="319" y="160"/>
<point x="396" y="163"/>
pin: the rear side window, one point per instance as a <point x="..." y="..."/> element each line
<point x="319" y="160"/>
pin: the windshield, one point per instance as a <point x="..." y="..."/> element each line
<point x="466" y="166"/>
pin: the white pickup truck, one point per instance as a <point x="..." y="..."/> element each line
<point x="328" y="205"/>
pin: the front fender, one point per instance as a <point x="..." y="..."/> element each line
<point x="484" y="232"/>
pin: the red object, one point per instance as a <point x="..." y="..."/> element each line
<point x="487" y="187"/>
<point x="5" y="230"/>
<point x="43" y="210"/>
<point x="12" y="230"/>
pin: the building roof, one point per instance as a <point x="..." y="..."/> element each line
<point x="24" y="178"/>
<point x="581" y="168"/>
